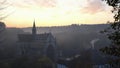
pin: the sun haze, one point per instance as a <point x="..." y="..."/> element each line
<point x="57" y="12"/>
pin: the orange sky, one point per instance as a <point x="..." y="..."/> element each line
<point x="56" y="12"/>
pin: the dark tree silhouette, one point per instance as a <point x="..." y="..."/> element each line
<point x="3" y="6"/>
<point x="113" y="33"/>
<point x="116" y="8"/>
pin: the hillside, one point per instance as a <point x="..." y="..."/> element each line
<point x="75" y="38"/>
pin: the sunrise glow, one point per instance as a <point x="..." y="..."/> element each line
<point x="57" y="12"/>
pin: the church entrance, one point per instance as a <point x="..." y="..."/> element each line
<point x="51" y="52"/>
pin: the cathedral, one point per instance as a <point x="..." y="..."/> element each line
<point x="35" y="45"/>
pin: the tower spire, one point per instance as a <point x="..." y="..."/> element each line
<point x="34" y="28"/>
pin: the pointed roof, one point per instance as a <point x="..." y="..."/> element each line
<point x="34" y="28"/>
<point x="34" y="24"/>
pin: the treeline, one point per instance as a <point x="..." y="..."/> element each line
<point x="25" y="62"/>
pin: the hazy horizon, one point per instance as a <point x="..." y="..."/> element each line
<point x="54" y="26"/>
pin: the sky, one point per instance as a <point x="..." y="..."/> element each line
<point x="22" y="13"/>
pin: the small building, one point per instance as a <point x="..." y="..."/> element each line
<point x="35" y="45"/>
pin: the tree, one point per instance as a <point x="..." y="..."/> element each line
<point x="113" y="34"/>
<point x="26" y="62"/>
<point x="116" y="8"/>
<point x="3" y="5"/>
<point x="44" y="62"/>
<point x="4" y="65"/>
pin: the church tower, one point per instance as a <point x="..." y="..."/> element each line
<point x="34" y="28"/>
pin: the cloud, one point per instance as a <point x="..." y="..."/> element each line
<point x="45" y="3"/>
<point x="35" y="3"/>
<point x="69" y="6"/>
<point x="93" y="6"/>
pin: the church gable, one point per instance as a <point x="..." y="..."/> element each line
<point x="37" y="44"/>
<point x="37" y="38"/>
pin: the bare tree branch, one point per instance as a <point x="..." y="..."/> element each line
<point x="3" y="6"/>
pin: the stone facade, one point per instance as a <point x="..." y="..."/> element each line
<point x="35" y="45"/>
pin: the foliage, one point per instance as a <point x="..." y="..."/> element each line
<point x="116" y="8"/>
<point x="25" y="62"/>
<point x="22" y="62"/>
<point x="113" y="34"/>
<point x="44" y="62"/>
<point x="4" y="65"/>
